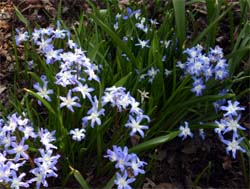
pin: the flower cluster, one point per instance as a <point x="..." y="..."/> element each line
<point x="230" y="123"/>
<point x="74" y="69"/>
<point x="122" y="100"/>
<point x="127" y="163"/>
<point x="76" y="73"/>
<point x="15" y="135"/>
<point x="141" y="23"/>
<point x="202" y="67"/>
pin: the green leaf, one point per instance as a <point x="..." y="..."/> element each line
<point x="20" y="16"/>
<point x="36" y="77"/>
<point x="123" y="80"/>
<point x="154" y="142"/>
<point x="210" y="26"/>
<point x="79" y="178"/>
<point x="59" y="10"/>
<point x="115" y="38"/>
<point x="207" y="168"/>
<point x="179" y="10"/>
<point x="93" y="52"/>
<point x="239" y="51"/>
<point x="213" y="9"/>
<point x="45" y="103"/>
<point x="110" y="183"/>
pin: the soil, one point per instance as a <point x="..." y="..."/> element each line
<point x="178" y="163"/>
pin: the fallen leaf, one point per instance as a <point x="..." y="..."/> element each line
<point x="2" y="88"/>
<point x="149" y="184"/>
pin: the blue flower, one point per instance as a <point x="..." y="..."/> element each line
<point x="233" y="125"/>
<point x="152" y="72"/>
<point x="221" y="64"/>
<point x="65" y="78"/>
<point x="233" y="146"/>
<point x="125" y="161"/>
<point x="21" y="37"/>
<point x="69" y="101"/>
<point x="232" y="108"/>
<point x="143" y="43"/>
<point x="94" y="114"/>
<point x="47" y="161"/>
<point x="52" y="55"/>
<point x="136" y="165"/>
<point x="113" y="155"/>
<point x="78" y="134"/>
<point x="28" y="131"/>
<point x="90" y="71"/>
<point x="122" y="181"/>
<point x="131" y="13"/>
<point x="4" y="171"/>
<point x="59" y="33"/>
<point x="220" y="73"/>
<point x="198" y="87"/>
<point x="215" y="54"/>
<point x="221" y="126"/>
<point x="46" y="138"/>
<point x="193" y="52"/>
<point x="40" y="178"/>
<point x="16" y="181"/>
<point x="135" y="124"/>
<point x="19" y="150"/>
<point x="44" y="45"/>
<point x="202" y="134"/>
<point x="36" y="34"/>
<point x="122" y="158"/>
<point x="85" y="90"/>
<point x="43" y="91"/>
<point x="185" y="131"/>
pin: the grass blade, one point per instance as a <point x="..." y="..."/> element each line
<point x="154" y="142"/>
<point x="201" y="36"/>
<point x="45" y="103"/>
<point x="123" y="80"/>
<point x="21" y="17"/>
<point x="179" y="10"/>
<point x="110" y="183"/>
<point x="79" y="178"/>
<point x="115" y="38"/>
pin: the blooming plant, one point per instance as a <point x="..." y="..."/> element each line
<point x="126" y="88"/>
<point x="16" y="134"/>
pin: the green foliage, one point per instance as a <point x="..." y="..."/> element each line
<point x="170" y="101"/>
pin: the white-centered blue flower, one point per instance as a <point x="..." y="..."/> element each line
<point x="233" y="146"/>
<point x="122" y="181"/>
<point x="143" y="43"/>
<point x="135" y="124"/>
<point x="70" y="101"/>
<point x="78" y="134"/>
<point x="185" y="131"/>
<point x="232" y="108"/>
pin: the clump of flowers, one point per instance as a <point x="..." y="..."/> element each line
<point x="76" y="74"/>
<point x="202" y="67"/>
<point x="129" y="165"/>
<point x="230" y="124"/>
<point x="16" y="133"/>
